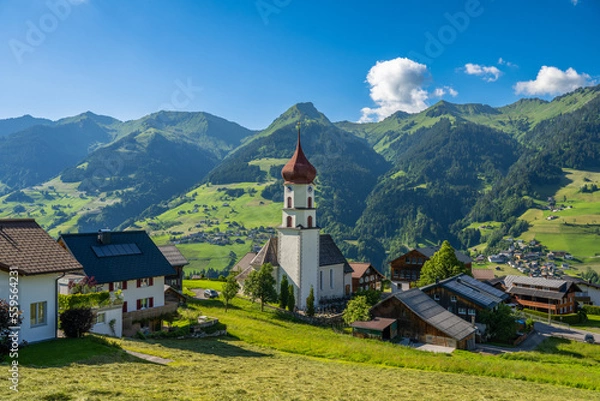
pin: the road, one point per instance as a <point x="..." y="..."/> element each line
<point x="563" y="332"/>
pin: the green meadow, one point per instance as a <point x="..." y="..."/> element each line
<point x="272" y="356"/>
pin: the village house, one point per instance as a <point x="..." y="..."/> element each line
<point x="406" y="269"/>
<point x="465" y="296"/>
<point x="31" y="262"/>
<point x="547" y="295"/>
<point x="308" y="258"/>
<point x="422" y="319"/>
<point x="178" y="262"/>
<point x="589" y="293"/>
<point x="129" y="262"/>
<point x="379" y="328"/>
<point x="366" y="277"/>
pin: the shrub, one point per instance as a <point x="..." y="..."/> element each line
<point x="591" y="309"/>
<point x="76" y="322"/>
<point x="310" y="303"/>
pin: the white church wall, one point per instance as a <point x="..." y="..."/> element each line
<point x="309" y="261"/>
<point x="332" y="281"/>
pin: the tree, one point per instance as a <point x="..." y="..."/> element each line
<point x="291" y="301"/>
<point x="283" y="293"/>
<point x="261" y="285"/>
<point x="230" y="289"/>
<point x="357" y="310"/>
<point x="443" y="264"/>
<point x="310" y="303"/>
<point x="76" y="322"/>
<point x="372" y="296"/>
<point x="501" y="325"/>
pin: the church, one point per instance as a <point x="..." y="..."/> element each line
<point x="299" y="251"/>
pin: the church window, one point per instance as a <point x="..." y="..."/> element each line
<point x="320" y="280"/>
<point x="310" y="222"/>
<point x="289" y="221"/>
<point x="330" y="278"/>
<point x="289" y="202"/>
<point x="310" y="202"/>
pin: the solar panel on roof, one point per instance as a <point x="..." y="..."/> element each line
<point x="116" y="250"/>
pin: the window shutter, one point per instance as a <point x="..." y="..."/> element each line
<point x="139" y="283"/>
<point x="151" y="303"/>
<point x="151" y="281"/>
<point x="124" y="285"/>
<point x="125" y="306"/>
<point x="111" y="287"/>
<point x="139" y="304"/>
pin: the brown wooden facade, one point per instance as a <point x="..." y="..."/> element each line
<point x="412" y="326"/>
<point x="365" y="277"/>
<point x="454" y="303"/>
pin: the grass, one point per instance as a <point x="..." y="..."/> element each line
<point x="228" y="369"/>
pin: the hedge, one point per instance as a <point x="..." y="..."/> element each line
<point x="591" y="309"/>
<point x="91" y="300"/>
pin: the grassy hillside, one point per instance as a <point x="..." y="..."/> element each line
<point x="237" y="211"/>
<point x="298" y="362"/>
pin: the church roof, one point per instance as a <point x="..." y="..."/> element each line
<point x="267" y="254"/>
<point x="298" y="169"/>
<point x="330" y="254"/>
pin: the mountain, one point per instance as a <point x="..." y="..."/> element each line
<point x="347" y="166"/>
<point x="12" y="125"/>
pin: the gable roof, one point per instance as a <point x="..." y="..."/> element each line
<point x="330" y="254"/>
<point x="244" y="262"/>
<point x="109" y="266"/>
<point x="267" y="254"/>
<point x="173" y="255"/>
<point x="483" y="274"/>
<point x="25" y="245"/>
<point x="467" y="287"/>
<point x="359" y="269"/>
<point x="430" y="250"/>
<point x="512" y="280"/>
<point x="378" y="323"/>
<point x="434" y="314"/>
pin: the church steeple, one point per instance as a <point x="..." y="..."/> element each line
<point x="298" y="169"/>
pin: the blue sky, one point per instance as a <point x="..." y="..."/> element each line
<point x="250" y="60"/>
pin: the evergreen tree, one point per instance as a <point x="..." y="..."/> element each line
<point x="443" y="264"/>
<point x="291" y="300"/>
<point x="283" y="293"/>
<point x="310" y="303"/>
<point x="230" y="289"/>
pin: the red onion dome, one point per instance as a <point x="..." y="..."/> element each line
<point x="298" y="170"/>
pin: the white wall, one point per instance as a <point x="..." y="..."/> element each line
<point x="132" y="293"/>
<point x="593" y="292"/>
<point x="338" y="281"/>
<point x="309" y="266"/>
<point x="34" y="289"/>
<point x="112" y="312"/>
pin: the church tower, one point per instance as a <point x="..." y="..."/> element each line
<point x="298" y="235"/>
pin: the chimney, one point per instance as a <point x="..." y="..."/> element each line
<point x="104" y="236"/>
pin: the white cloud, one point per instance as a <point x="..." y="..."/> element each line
<point x="501" y="61"/>
<point x="399" y="84"/>
<point x="488" y="74"/>
<point x="439" y="92"/>
<point x="574" y="2"/>
<point x="552" y="81"/>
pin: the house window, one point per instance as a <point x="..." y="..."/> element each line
<point x="117" y="285"/>
<point x="310" y="202"/>
<point x="453" y="298"/>
<point x="436" y="297"/>
<point x="310" y="221"/>
<point x="124" y="306"/>
<point x="330" y="278"/>
<point x="321" y="280"/>
<point x="101" y="318"/>
<point x="450" y="309"/>
<point x="37" y="313"/>
<point x="289" y="221"/>
<point x="471" y="312"/>
<point x="462" y="311"/>
<point x="145" y="282"/>
<point x="361" y="280"/>
<point x="289" y="202"/>
<point x="145" y="303"/>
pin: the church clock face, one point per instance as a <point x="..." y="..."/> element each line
<point x="310" y="189"/>
<point x="289" y="189"/>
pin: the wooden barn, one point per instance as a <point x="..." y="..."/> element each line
<point x="421" y="318"/>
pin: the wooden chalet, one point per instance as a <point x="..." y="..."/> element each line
<point x="406" y="269"/>
<point x="177" y="261"/>
<point x="547" y="295"/>
<point x="465" y="296"/>
<point x="365" y="277"/>
<point x="421" y="318"/>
